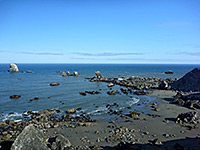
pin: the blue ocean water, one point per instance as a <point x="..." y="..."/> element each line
<point x="66" y="95"/>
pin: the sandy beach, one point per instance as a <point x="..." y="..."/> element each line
<point x="142" y="130"/>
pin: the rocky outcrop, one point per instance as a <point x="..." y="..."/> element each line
<point x="98" y="74"/>
<point x="13" y="68"/>
<point x="189" y="119"/>
<point x="191" y="101"/>
<point x="133" y="82"/>
<point x="30" y="138"/>
<point x="189" y="82"/>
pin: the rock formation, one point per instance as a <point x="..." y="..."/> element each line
<point x="98" y="74"/>
<point x="13" y="68"/>
<point x="191" y="101"/>
<point x="189" y="82"/>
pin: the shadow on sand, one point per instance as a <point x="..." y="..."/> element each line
<point x="180" y="144"/>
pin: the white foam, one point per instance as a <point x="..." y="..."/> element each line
<point x="97" y="111"/>
<point x="15" y="116"/>
<point x="134" y="101"/>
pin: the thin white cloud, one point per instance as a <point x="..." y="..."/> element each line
<point x="187" y="53"/>
<point x="106" y="54"/>
<point x="33" y="53"/>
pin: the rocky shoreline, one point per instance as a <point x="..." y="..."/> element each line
<point x="165" y="127"/>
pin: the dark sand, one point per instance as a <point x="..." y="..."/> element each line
<point x="138" y="132"/>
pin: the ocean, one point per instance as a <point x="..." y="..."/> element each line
<point x="66" y="95"/>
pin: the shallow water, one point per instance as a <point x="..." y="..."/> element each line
<point x="66" y="95"/>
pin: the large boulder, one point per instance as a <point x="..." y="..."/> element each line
<point x="30" y="138"/>
<point x="13" y="68"/>
<point x="164" y="85"/>
<point x="62" y="142"/>
<point x="189" y="82"/>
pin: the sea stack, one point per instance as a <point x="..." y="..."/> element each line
<point x="98" y="74"/>
<point x="13" y="68"/>
<point x="76" y="73"/>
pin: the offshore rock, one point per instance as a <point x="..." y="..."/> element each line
<point x="54" y="84"/>
<point x="13" y="68"/>
<point x="169" y="72"/>
<point x="64" y="73"/>
<point x="15" y="96"/>
<point x="28" y="71"/>
<point x="189" y="82"/>
<point x="98" y="74"/>
<point x="30" y="138"/>
<point x="76" y="73"/>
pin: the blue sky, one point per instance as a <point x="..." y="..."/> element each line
<point x="100" y="31"/>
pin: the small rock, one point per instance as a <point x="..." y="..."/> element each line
<point x="169" y="72"/>
<point x="83" y="93"/>
<point x="15" y="96"/>
<point x="156" y="142"/>
<point x="54" y="84"/>
<point x="110" y="85"/>
<point x="28" y="71"/>
<point x="166" y="121"/>
<point x="70" y="111"/>
<point x="64" y="73"/>
<point x="112" y="92"/>
<point x="36" y="98"/>
<point x="157" y="109"/>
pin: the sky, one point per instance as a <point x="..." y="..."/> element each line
<point x="100" y="31"/>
